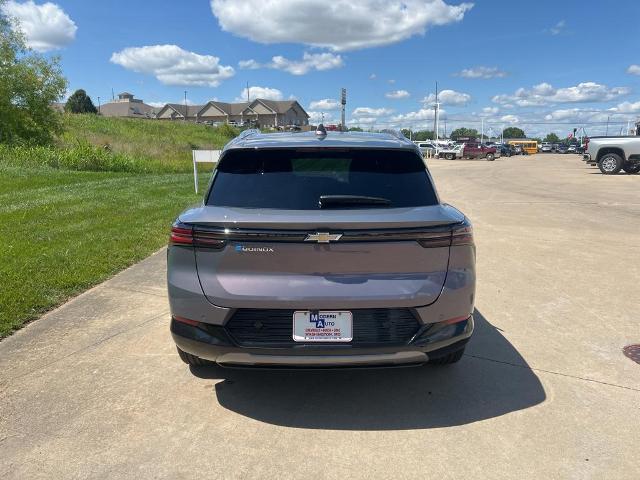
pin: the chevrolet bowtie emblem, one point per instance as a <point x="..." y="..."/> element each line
<point x="323" y="237"/>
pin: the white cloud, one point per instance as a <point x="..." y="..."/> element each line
<point x="509" y="119"/>
<point x="544" y="94"/>
<point x="448" y="97"/>
<point x="626" y="107"/>
<point x="557" y="28"/>
<point x="633" y="70"/>
<point x="373" y="76"/>
<point x="46" y="27"/>
<point x="339" y="25"/>
<point x="391" y="81"/>
<point x="481" y="72"/>
<point x="316" y="117"/>
<point x="397" y="94"/>
<point x="324" y="104"/>
<point x="249" y="64"/>
<point x="260" y="92"/>
<point x="172" y="65"/>
<point x="490" y="110"/>
<point x="417" y="116"/>
<point x="371" y="112"/>
<point x="310" y="61"/>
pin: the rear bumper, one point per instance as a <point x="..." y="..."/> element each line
<point x="587" y="158"/>
<point x="214" y="344"/>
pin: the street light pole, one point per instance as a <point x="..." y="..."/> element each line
<point x="186" y="111"/>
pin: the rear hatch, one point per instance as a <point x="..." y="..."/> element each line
<point x="329" y="229"/>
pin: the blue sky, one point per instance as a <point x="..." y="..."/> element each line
<point x="549" y="65"/>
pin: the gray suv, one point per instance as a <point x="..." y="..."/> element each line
<point x="321" y="250"/>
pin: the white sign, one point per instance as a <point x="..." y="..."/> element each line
<point x="203" y="156"/>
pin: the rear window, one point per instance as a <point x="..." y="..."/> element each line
<point x="296" y="179"/>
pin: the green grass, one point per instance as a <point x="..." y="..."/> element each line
<point x="166" y="145"/>
<point x="64" y="231"/>
<point x="102" y="198"/>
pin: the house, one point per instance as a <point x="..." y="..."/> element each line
<point x="177" y="111"/>
<point x="127" y="106"/>
<point x="259" y="112"/>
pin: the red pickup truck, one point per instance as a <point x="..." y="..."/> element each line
<point x="478" y="150"/>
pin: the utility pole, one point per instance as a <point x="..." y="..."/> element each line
<point x="248" y="97"/>
<point x="99" y="105"/>
<point x="343" y="102"/>
<point x="186" y="111"/>
<point x="481" y="130"/>
<point x="607" y="125"/>
<point x="435" y="119"/>
<point x="113" y="95"/>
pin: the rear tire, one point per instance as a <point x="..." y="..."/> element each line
<point x="631" y="169"/>
<point x="448" y="359"/>
<point x="490" y="157"/>
<point x="192" y="360"/>
<point x="610" y="164"/>
<point x="449" y="156"/>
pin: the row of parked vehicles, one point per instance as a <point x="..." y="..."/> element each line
<point x="547" y="147"/>
<point x="470" y="150"/>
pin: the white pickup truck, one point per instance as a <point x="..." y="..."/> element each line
<point x="612" y="154"/>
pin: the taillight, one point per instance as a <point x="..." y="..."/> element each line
<point x="184" y="234"/>
<point x="586" y="144"/>
<point x="462" y="235"/>
<point x="181" y="234"/>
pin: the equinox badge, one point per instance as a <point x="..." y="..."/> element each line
<point x="323" y="237"/>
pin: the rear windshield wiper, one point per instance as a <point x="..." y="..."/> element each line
<point x="328" y="201"/>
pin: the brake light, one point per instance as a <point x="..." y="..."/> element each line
<point x="184" y="234"/>
<point x="586" y="144"/>
<point x="463" y="235"/>
<point x="181" y="234"/>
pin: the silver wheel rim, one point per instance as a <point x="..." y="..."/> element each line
<point x="609" y="164"/>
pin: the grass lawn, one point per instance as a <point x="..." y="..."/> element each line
<point x="63" y="231"/>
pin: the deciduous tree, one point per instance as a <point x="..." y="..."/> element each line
<point x="29" y="85"/>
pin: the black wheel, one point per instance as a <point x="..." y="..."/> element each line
<point x="490" y="157"/>
<point x="449" y="156"/>
<point x="448" y="359"/>
<point x="610" y="164"/>
<point x="192" y="359"/>
<point x="632" y="168"/>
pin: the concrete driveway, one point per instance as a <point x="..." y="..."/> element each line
<point x="95" y="389"/>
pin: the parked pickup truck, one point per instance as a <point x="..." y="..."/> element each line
<point x="612" y="154"/>
<point x="451" y="153"/>
<point x="477" y="150"/>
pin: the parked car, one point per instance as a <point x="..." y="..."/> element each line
<point x="478" y="150"/>
<point x="571" y="148"/>
<point x="613" y="154"/>
<point x="546" y="148"/>
<point x="504" y="150"/>
<point x="376" y="272"/>
<point x="426" y="148"/>
<point x="562" y="149"/>
<point x="452" y="152"/>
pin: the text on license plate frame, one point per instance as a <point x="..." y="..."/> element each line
<point x="334" y="326"/>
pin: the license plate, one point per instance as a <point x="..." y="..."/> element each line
<point x="322" y="326"/>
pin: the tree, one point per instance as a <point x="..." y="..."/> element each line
<point x="422" y="135"/>
<point x="355" y="129"/>
<point x="513" y="132"/>
<point x="80" y="102"/>
<point x="552" y="138"/>
<point x="29" y="84"/>
<point x="464" y="132"/>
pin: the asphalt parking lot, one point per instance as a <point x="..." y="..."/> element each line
<point x="95" y="388"/>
